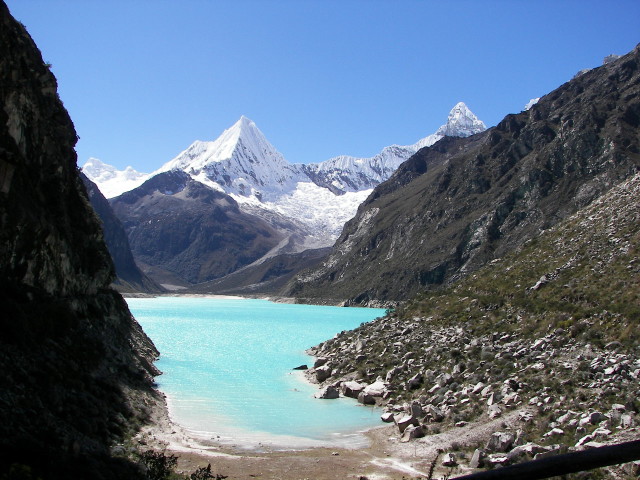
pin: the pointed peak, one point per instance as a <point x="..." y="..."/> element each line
<point x="461" y="122"/>
<point x="460" y="106"/>
<point x="244" y="120"/>
<point x="244" y="126"/>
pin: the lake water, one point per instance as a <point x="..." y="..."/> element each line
<point x="227" y="370"/>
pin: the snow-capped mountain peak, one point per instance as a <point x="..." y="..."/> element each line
<point x="112" y="181"/>
<point x="461" y="123"/>
<point x="351" y="174"/>
<point x="240" y="161"/>
<point x="322" y="196"/>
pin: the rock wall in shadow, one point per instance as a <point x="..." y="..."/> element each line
<point x="75" y="368"/>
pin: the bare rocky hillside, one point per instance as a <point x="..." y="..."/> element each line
<point x="546" y="338"/>
<point x="463" y="202"/>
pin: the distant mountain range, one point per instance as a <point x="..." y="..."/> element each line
<point x="304" y="205"/>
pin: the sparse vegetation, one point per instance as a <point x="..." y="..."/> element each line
<point x="550" y="331"/>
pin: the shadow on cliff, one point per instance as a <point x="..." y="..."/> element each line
<point x="76" y="370"/>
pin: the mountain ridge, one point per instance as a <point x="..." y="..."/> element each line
<point x="306" y="205"/>
<point x="456" y="205"/>
<point x="210" y="161"/>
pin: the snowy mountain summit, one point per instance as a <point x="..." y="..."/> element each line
<point x="241" y="161"/>
<point x="319" y="197"/>
<point x="352" y="174"/>
<point x="111" y="181"/>
<point x="461" y="123"/>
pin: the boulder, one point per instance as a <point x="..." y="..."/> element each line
<point x="449" y="460"/>
<point x="500" y="442"/>
<point x="531" y="449"/>
<point x="497" y="459"/>
<point x="494" y="411"/>
<point x="387" y="417"/>
<point x="627" y="421"/>
<point x="322" y="373"/>
<point x="477" y="459"/>
<point x="366" y="399"/>
<point x="592" y="418"/>
<point x="554" y="432"/>
<point x="584" y="440"/>
<point x="352" y="389"/>
<point x="478" y="388"/>
<point x="414" y="382"/>
<point x="328" y="392"/>
<point x="376" y="389"/>
<point x="406" y="420"/>
<point x="435" y="413"/>
<point x="301" y="367"/>
<point x="411" y="432"/>
<point x="392" y="373"/>
<point x="416" y="409"/>
<point x="320" y="361"/>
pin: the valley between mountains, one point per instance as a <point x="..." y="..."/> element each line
<point x="507" y="258"/>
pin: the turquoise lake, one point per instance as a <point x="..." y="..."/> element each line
<point x="227" y="370"/>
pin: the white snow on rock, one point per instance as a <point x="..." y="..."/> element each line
<point x="322" y="196"/>
<point x="111" y="181"/>
<point x="531" y="103"/>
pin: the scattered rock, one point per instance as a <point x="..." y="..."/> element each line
<point x="387" y="417"/>
<point x="494" y="411"/>
<point x="376" y="389"/>
<point x="322" y="373"/>
<point x="477" y="459"/>
<point x="497" y="459"/>
<point x="406" y="420"/>
<point x="352" y="389"/>
<point x="500" y="442"/>
<point x="327" y="393"/>
<point x="319" y="362"/>
<point x="449" y="460"/>
<point x="411" y="432"/>
<point x="366" y="399"/>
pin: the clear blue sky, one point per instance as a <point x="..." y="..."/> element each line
<point x="142" y="79"/>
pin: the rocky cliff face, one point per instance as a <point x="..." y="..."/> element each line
<point x="129" y="278"/>
<point x="74" y="364"/>
<point x="455" y="206"/>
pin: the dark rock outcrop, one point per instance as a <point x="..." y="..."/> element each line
<point x="75" y="367"/>
<point x="455" y="206"/>
<point x="188" y="233"/>
<point x="129" y="278"/>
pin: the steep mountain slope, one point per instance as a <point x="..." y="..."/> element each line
<point x="540" y="347"/>
<point x="305" y="205"/>
<point x="455" y="206"/>
<point x="265" y="276"/>
<point x="183" y="228"/>
<point x="129" y="278"/>
<point x="75" y="367"/>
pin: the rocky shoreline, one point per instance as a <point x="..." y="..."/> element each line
<point x="551" y="395"/>
<point x="546" y="337"/>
